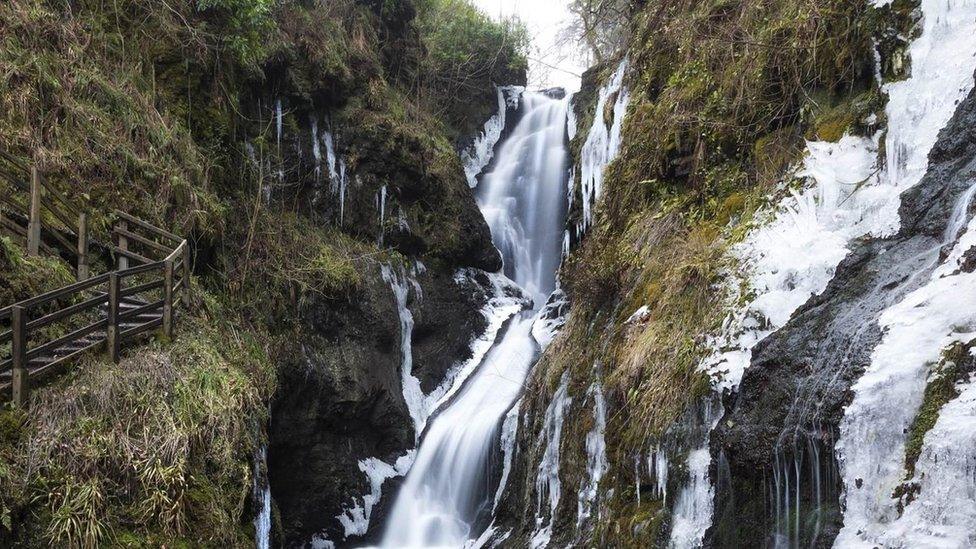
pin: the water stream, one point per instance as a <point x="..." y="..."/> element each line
<point x="448" y="495"/>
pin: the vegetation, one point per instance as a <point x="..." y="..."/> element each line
<point x="156" y="448"/>
<point x="957" y="365"/>
<point x="722" y="96"/>
<point x="28" y="276"/>
<point x="602" y="24"/>
<point x="152" y="106"/>
<point x="467" y="55"/>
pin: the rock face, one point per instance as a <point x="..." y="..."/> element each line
<point x="791" y="399"/>
<point x="340" y="397"/>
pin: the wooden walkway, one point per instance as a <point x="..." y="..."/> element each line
<point x="149" y="279"/>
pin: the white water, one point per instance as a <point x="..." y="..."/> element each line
<point x="446" y="494"/>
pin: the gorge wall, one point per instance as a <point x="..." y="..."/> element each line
<point x="310" y="151"/>
<point x="752" y="357"/>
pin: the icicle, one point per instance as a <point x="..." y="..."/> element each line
<point x="382" y="209"/>
<point x="355" y="519"/>
<point x="342" y="191"/>
<point x="412" y="393"/>
<point x="316" y="148"/>
<point x="279" y="122"/>
<point x="596" y="457"/>
<point x="331" y="160"/>
<point x="480" y="153"/>
<point x="262" y="492"/>
<point x="507" y="442"/>
<point x="547" y="485"/>
<point x="602" y="143"/>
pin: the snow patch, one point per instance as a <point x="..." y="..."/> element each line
<point x="640" y="315"/>
<point x="551" y="319"/>
<point x="355" y="519"/>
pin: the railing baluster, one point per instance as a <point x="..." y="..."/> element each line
<point x="21" y="382"/>
<point x="123" y="245"/>
<point x="113" y="345"/>
<point x="168" y="298"/>
<point x="34" y="221"/>
<point x="83" y="270"/>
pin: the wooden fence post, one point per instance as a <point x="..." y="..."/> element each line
<point x="168" y="298"/>
<point x="34" y="222"/>
<point x="21" y="382"/>
<point x="186" y="274"/>
<point x="112" y="332"/>
<point x="83" y="271"/>
<point x="123" y="245"/>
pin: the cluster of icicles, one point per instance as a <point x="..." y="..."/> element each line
<point x="331" y="177"/>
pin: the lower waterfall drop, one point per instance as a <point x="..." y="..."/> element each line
<point x="448" y="495"/>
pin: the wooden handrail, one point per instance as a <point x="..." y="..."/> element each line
<point x="92" y="303"/>
<point x="13" y="160"/>
<point x="124" y="253"/>
<point x="57" y="294"/>
<point x="149" y="227"/>
<point x="142" y="240"/>
<point x="140" y="269"/>
<point x="171" y="274"/>
<point x="73" y="336"/>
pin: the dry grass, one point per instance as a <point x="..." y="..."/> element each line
<point x="156" y="446"/>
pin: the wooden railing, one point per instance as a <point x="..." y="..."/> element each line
<point x="43" y="211"/>
<point x="151" y="274"/>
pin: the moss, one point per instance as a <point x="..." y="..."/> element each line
<point x="24" y="276"/>
<point x="940" y="389"/>
<point x="154" y="450"/>
<point x="633" y="524"/>
<point x="832" y="125"/>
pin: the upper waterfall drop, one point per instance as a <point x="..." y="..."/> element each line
<point x="448" y="495"/>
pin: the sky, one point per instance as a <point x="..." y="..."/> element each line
<point x="550" y="65"/>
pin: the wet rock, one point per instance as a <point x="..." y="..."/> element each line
<point x="795" y="391"/>
<point x="340" y="398"/>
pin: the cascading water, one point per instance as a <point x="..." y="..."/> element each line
<point x="447" y="496"/>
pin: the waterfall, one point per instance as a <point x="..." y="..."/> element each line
<point x="447" y="496"/>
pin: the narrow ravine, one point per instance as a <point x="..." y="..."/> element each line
<point x="448" y="494"/>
